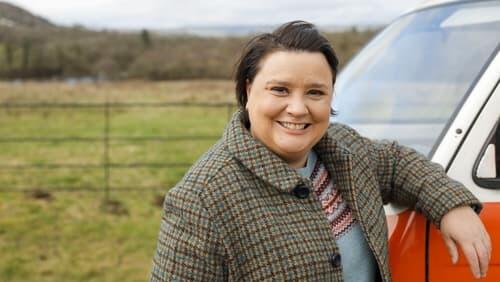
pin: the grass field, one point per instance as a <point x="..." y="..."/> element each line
<point x="52" y="235"/>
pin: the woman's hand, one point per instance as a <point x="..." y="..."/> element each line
<point x="462" y="226"/>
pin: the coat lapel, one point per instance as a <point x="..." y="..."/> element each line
<point x="338" y="161"/>
<point x="258" y="158"/>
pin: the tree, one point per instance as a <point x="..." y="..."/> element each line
<point x="9" y="54"/>
<point x="26" y="53"/>
<point x="146" y="38"/>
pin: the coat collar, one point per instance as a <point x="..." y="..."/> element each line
<point x="272" y="169"/>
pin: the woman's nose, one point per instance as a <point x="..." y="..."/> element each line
<point x="297" y="107"/>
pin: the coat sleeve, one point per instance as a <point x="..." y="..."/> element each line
<point x="188" y="247"/>
<point x="407" y="177"/>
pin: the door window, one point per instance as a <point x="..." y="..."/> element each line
<point x="487" y="166"/>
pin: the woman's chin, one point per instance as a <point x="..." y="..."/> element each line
<point x="293" y="151"/>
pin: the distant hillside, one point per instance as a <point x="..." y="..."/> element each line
<point x="14" y="16"/>
<point x="31" y="47"/>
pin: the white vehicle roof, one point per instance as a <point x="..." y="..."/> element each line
<point x="430" y="3"/>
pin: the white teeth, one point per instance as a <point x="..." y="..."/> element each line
<point x="293" y="125"/>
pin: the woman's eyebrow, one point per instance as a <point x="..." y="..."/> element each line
<point x="280" y="82"/>
<point x="285" y="83"/>
<point x="317" y="85"/>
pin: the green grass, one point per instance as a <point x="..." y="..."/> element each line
<point x="52" y="235"/>
<point x="71" y="238"/>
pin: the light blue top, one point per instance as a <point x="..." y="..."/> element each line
<point x="358" y="263"/>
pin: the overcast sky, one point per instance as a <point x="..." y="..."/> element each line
<point x="158" y="14"/>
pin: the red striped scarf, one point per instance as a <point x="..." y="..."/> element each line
<point x="338" y="213"/>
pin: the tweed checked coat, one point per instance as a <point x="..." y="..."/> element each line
<point x="241" y="213"/>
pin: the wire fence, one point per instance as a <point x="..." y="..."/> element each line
<point x="105" y="139"/>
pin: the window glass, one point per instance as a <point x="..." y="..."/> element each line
<point x="487" y="167"/>
<point x="408" y="82"/>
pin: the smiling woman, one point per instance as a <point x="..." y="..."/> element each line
<point x="286" y="196"/>
<point x="289" y="103"/>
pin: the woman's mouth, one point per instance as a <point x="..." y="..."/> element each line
<point x="294" y="126"/>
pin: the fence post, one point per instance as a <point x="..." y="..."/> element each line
<point x="106" y="149"/>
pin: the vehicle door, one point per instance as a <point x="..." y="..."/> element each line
<point x="477" y="166"/>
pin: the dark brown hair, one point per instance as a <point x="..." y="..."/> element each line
<point x="292" y="36"/>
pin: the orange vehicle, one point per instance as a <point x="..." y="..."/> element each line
<point x="431" y="81"/>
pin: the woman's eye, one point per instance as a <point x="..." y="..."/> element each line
<point x="316" y="93"/>
<point x="280" y="90"/>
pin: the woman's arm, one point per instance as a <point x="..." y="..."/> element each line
<point x="188" y="248"/>
<point x="408" y="177"/>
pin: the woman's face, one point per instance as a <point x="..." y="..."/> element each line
<point x="289" y="103"/>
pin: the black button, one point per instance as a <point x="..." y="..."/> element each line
<point x="335" y="259"/>
<point x="301" y="191"/>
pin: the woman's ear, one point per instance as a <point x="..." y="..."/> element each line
<point x="248" y="87"/>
